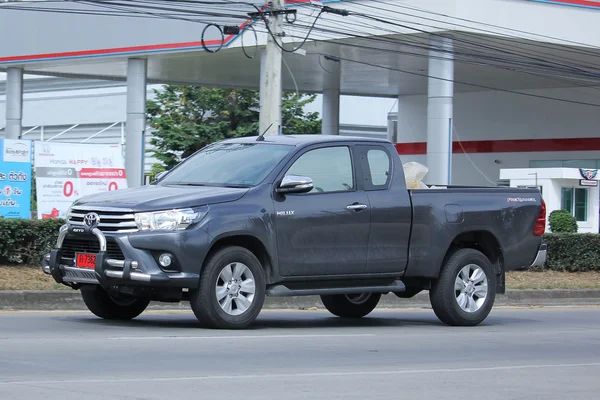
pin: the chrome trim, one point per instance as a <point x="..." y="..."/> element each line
<point x="295" y="181"/>
<point x="62" y="234"/>
<point x="107" y="216"/>
<point x="540" y="258"/>
<point x="101" y="238"/>
<point x="122" y="221"/>
<point x="120" y="263"/>
<point x="78" y="275"/>
<point x="87" y="209"/>
<point x="356" y="207"/>
<point x="135" y="276"/>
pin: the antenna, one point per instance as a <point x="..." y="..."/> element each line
<point x="260" y="137"/>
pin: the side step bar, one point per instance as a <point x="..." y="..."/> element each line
<point x="284" y="291"/>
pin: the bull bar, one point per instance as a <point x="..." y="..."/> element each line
<point x="107" y="271"/>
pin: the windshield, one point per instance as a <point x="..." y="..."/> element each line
<point x="228" y="164"/>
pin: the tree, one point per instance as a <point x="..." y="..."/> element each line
<point x="187" y="118"/>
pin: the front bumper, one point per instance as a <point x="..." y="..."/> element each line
<point x="540" y="258"/>
<point x="109" y="272"/>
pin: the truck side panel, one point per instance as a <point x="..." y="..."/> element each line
<point x="441" y="215"/>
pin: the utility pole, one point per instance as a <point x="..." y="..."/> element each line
<point x="270" y="82"/>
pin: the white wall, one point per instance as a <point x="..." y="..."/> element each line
<point x="504" y="116"/>
<point x="68" y="107"/>
<point x="552" y="180"/>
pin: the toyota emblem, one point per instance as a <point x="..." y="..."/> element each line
<point x="91" y="220"/>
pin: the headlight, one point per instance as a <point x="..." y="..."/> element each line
<point x="171" y="220"/>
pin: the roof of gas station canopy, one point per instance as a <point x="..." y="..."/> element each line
<point x="376" y="59"/>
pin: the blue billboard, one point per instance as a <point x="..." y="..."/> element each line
<point x="15" y="178"/>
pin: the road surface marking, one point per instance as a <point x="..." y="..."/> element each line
<point x="259" y="377"/>
<point x="136" y="338"/>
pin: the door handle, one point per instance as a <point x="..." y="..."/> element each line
<point x="356" y="207"/>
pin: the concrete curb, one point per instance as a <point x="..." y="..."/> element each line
<point x="71" y="300"/>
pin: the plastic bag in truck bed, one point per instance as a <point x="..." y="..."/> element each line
<point x="414" y="174"/>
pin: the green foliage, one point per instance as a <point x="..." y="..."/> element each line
<point x="25" y="241"/>
<point x="562" y="221"/>
<point x="573" y="252"/>
<point x="187" y="118"/>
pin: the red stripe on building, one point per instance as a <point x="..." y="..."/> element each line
<point x="508" y="146"/>
<point x="585" y="3"/>
<point x="116" y="50"/>
<point x="135" y="49"/>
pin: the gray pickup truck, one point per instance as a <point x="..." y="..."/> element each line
<point x="290" y="216"/>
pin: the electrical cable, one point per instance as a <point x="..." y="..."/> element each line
<point x="469" y="157"/>
<point x="536" y="46"/>
<point x="312" y="27"/>
<point x="295" y="85"/>
<point x="469" y="42"/>
<point x="479" y="56"/>
<point x="464" y="83"/>
<point x="456" y="56"/>
<point x="204" y="44"/>
<point x="255" y="42"/>
<point x="477" y="22"/>
<point x="546" y="76"/>
<point x="303" y="41"/>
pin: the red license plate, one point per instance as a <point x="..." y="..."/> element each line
<point x="86" y="260"/>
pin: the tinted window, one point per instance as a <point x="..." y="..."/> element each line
<point x="243" y="164"/>
<point x="379" y="167"/>
<point x="330" y="169"/>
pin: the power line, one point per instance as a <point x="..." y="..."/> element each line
<point x="495" y="33"/>
<point x="473" y="59"/>
<point x="461" y="82"/>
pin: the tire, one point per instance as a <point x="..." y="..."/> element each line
<point x="228" y="310"/>
<point x="467" y="304"/>
<point x="101" y="304"/>
<point x="351" y="305"/>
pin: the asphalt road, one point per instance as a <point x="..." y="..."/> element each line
<point x="515" y="354"/>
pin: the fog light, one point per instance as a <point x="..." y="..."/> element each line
<point x="165" y="259"/>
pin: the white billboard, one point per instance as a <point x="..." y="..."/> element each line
<point x="64" y="172"/>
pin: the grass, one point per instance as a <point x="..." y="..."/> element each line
<point x="27" y="278"/>
<point x="32" y="278"/>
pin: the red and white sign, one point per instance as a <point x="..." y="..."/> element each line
<point x="67" y="171"/>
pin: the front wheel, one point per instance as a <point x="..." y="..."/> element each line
<point x="351" y="305"/>
<point x="231" y="291"/>
<point x="105" y="306"/>
<point x="466" y="289"/>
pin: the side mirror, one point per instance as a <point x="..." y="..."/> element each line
<point x="295" y="184"/>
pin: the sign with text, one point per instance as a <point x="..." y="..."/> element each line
<point x="15" y="178"/>
<point x="64" y="172"/>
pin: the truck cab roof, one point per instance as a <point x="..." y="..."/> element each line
<point x="303" y="139"/>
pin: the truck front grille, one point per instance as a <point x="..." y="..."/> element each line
<point x="74" y="244"/>
<point x="111" y="221"/>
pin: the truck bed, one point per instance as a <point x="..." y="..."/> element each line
<point x="504" y="217"/>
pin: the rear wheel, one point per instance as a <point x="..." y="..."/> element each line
<point x="231" y="291"/>
<point x="351" y="305"/>
<point x="107" y="306"/>
<point x="465" y="292"/>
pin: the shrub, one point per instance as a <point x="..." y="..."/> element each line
<point x="24" y="241"/>
<point x="573" y="252"/>
<point x="562" y="221"/>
